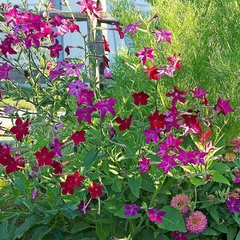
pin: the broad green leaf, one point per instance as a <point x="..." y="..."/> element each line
<point x="218" y="177"/>
<point x="103" y="231"/>
<point x="68" y="212"/>
<point x="120" y="213"/>
<point x="135" y="183"/>
<point x="232" y="231"/>
<point x="215" y="215"/>
<point x="147" y="183"/>
<point x="221" y="228"/>
<point x="3" y="230"/>
<point x="40" y="232"/>
<point x="172" y="220"/>
<point x="219" y="167"/>
<point x="79" y="226"/>
<point x="238" y="236"/>
<point x="210" y="231"/>
<point x="197" y="181"/>
<point x="89" y="158"/>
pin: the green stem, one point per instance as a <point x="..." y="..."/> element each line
<point x="157" y="191"/>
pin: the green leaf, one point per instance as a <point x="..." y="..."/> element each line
<point x="172" y="220"/>
<point x="68" y="212"/>
<point x="147" y="183"/>
<point x="79" y="226"/>
<point x="3" y="230"/>
<point x="40" y="232"/>
<point x="232" y="231"/>
<point x="197" y="181"/>
<point x="210" y="231"/>
<point x="103" y="231"/>
<point x="219" y="167"/>
<point x="215" y="215"/>
<point x="221" y="228"/>
<point x="218" y="177"/>
<point x="120" y="213"/>
<point x="135" y="183"/>
<point x="238" y="236"/>
<point x="89" y="158"/>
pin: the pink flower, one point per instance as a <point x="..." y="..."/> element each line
<point x="163" y="34"/>
<point x="145" y="53"/>
<point x="179" y="235"/>
<point x="105" y="106"/>
<point x="144" y="164"/>
<point x="180" y="202"/>
<point x="196" y="222"/>
<point x="155" y="215"/>
<point x="223" y="106"/>
<point x="132" y="27"/>
<point x="236" y="144"/>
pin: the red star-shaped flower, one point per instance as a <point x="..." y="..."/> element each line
<point x="95" y="190"/>
<point x="78" y="137"/>
<point x="124" y="123"/>
<point x="156" y="120"/>
<point x="20" y="128"/>
<point x="140" y="98"/>
<point x="44" y="157"/>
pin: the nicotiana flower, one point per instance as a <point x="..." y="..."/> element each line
<point x="163" y="34"/>
<point x="144" y="164"/>
<point x="237" y="179"/>
<point x="34" y="193"/>
<point x="140" y="98"/>
<point x="196" y="222"/>
<point x="156" y="215"/>
<point x="95" y="190"/>
<point x="83" y="208"/>
<point x="145" y="53"/>
<point x="233" y="204"/>
<point x="105" y="106"/>
<point x="235" y="144"/>
<point x="180" y="202"/>
<point x="124" y="123"/>
<point x="223" y="106"/>
<point x="20" y="128"/>
<point x="76" y="87"/>
<point x="131" y="210"/>
<point x="132" y="27"/>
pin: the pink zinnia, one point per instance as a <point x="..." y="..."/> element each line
<point x="180" y="202"/>
<point x="196" y="222"/>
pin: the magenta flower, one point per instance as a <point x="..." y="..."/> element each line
<point x="118" y="29"/>
<point x="155" y="215"/>
<point x="105" y="106"/>
<point x="167" y="163"/>
<point x="186" y="157"/>
<point x="175" y="61"/>
<point x="85" y="113"/>
<point x="131" y="210"/>
<point x="5" y="71"/>
<point x="145" y="53"/>
<point x="237" y="179"/>
<point x="75" y="88"/>
<point x="199" y="93"/>
<point x="57" y="147"/>
<point x="132" y="27"/>
<point x="86" y="96"/>
<point x="199" y="157"/>
<point x="179" y="235"/>
<point x="72" y="68"/>
<point x="180" y="202"/>
<point x="235" y="144"/>
<point x="89" y="6"/>
<point x="144" y="164"/>
<point x="163" y="34"/>
<point x="233" y="204"/>
<point x="177" y="95"/>
<point x="107" y="74"/>
<point x="152" y="134"/>
<point x="223" y="106"/>
<point x="55" y="49"/>
<point x="196" y="222"/>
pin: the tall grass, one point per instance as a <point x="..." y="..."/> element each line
<point x="207" y="34"/>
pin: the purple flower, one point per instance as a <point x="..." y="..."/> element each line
<point x="176" y="95"/>
<point x="85" y="113"/>
<point x="34" y="193"/>
<point x="145" y="53"/>
<point x="75" y="88"/>
<point x="196" y="222"/>
<point x="152" y="134"/>
<point x="233" y="204"/>
<point x="105" y="106"/>
<point x="167" y="163"/>
<point x="131" y="210"/>
<point x="5" y="70"/>
<point x="163" y="34"/>
<point x="57" y="147"/>
<point x="199" y="93"/>
<point x="199" y="157"/>
<point x="155" y="215"/>
<point x="57" y="126"/>
<point x="107" y="73"/>
<point x="72" y="68"/>
<point x="144" y="164"/>
<point x="83" y="208"/>
<point x="223" y="106"/>
<point x="132" y="27"/>
<point x="85" y="97"/>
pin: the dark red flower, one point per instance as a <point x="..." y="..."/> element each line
<point x="140" y="98"/>
<point x="95" y="190"/>
<point x="77" y="179"/>
<point x="15" y="164"/>
<point x="105" y="61"/>
<point x="57" y="167"/>
<point x="78" y="137"/>
<point x="20" y="128"/>
<point x="124" y="123"/>
<point x="106" y="44"/>
<point x="156" y="120"/>
<point x="55" y="49"/>
<point x="44" y="157"/>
